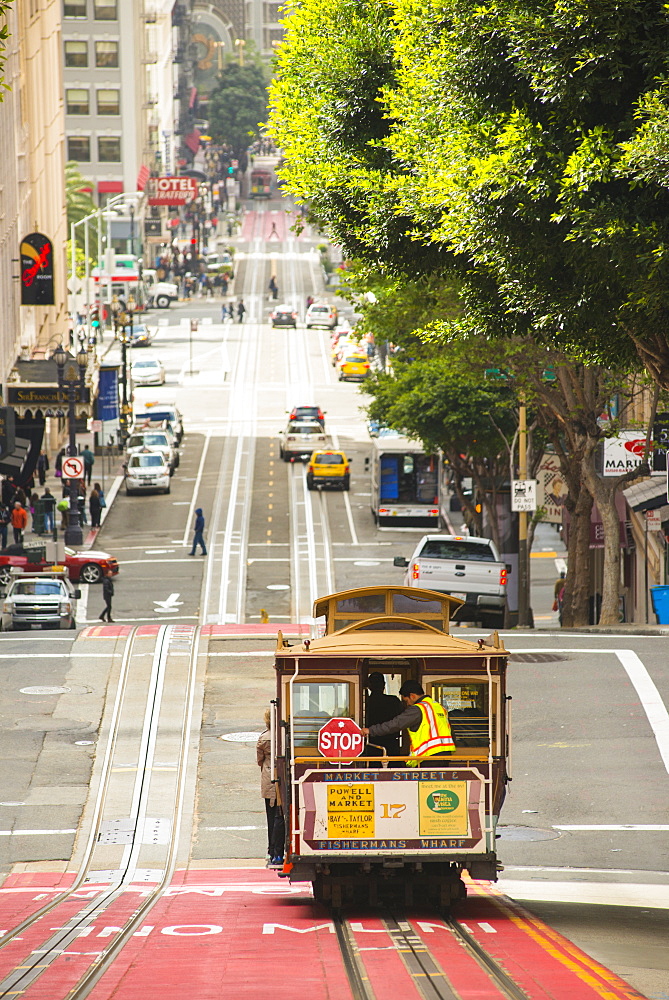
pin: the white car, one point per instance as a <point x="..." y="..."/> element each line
<point x="147" y="471"/>
<point x="148" y="371"/>
<point x="159" y="410"/>
<point x="300" y="438"/>
<point x="155" y="440"/>
<point x="320" y="314"/>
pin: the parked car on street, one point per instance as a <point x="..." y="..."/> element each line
<point x="353" y="367"/>
<point x="147" y="472"/>
<point x="300" y="438"/>
<point x="158" y="410"/>
<point x="154" y="440"/>
<point x="82" y="567"/>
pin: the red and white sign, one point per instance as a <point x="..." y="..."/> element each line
<point x="73" y="467"/>
<point x="341" y="739"/>
<point x="653" y="520"/>
<point x="171" y="190"/>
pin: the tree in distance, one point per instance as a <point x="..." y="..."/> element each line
<point x="237" y="104"/>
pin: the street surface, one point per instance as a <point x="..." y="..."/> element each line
<point x="585" y="825"/>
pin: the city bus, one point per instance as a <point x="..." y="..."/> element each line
<point x="405" y="484"/>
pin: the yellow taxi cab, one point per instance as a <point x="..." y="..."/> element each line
<point x="328" y="468"/>
<point x="353" y="366"/>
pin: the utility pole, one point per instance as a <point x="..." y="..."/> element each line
<point x="523" y="560"/>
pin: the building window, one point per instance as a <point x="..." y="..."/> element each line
<point x="274" y="11"/>
<point x="77" y="102"/>
<point x="109" y="102"/>
<point x="105" y="10"/>
<point x="272" y="35"/>
<point x="106" y="54"/>
<point x="76" y="53"/>
<point x="79" y="148"/>
<point x="109" y="149"/>
<point x="74" y="8"/>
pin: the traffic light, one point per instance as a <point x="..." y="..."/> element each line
<point x="95" y="319"/>
<point x="231" y="171"/>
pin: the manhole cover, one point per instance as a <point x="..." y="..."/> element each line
<point x="240" y="737"/>
<point x="44" y="690"/>
<point x="526" y="833"/>
<point x="537" y="657"/>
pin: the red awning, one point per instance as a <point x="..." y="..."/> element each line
<point x="193" y="97"/>
<point x="110" y="187"/>
<point x="193" y="141"/>
<point x="142" y="177"/>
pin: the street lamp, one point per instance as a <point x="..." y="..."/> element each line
<point x="71" y="376"/>
<point x="122" y="320"/>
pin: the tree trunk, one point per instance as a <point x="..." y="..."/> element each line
<point x="575" y="606"/>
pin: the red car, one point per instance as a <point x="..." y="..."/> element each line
<point x="82" y="567"/>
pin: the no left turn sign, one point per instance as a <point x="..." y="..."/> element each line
<point x="73" y="467"/>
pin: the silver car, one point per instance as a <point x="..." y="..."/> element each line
<point x="300" y="438"/>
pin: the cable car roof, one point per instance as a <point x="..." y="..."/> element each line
<point x="411" y="639"/>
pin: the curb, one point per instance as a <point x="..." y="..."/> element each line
<point x="109" y="497"/>
<point x="619" y="630"/>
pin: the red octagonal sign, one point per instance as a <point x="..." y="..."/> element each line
<point x="341" y="739"/>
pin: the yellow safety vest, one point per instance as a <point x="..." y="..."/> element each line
<point x="434" y="733"/>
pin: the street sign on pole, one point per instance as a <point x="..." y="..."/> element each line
<point x="653" y="520"/>
<point x="73" y="467"/>
<point x="524" y="495"/>
<point x="341" y="739"/>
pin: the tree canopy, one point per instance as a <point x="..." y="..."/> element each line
<point x="520" y="146"/>
<point x="237" y="105"/>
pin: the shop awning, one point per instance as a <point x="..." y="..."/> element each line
<point x="648" y="495"/>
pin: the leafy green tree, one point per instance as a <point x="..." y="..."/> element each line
<point x="237" y="105"/>
<point x="79" y="202"/>
<point x="4" y="34"/>
<point x="522" y="126"/>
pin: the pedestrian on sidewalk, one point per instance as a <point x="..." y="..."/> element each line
<point x="241" y="309"/>
<point x="198" y="538"/>
<point x="42" y="467"/>
<point x="5" y="521"/>
<point x="95" y="505"/>
<point x="107" y="594"/>
<point x="273" y="287"/>
<point x="19" y="521"/>
<point x="49" y="508"/>
<point x="224" y="313"/>
<point x="89" y="461"/>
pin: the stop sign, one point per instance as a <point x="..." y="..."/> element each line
<point x="340" y="739"/>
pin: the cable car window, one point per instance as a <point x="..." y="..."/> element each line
<point x="467" y="705"/>
<point x="366" y="604"/>
<point x="404" y="604"/>
<point x="314" y="702"/>
<point x="393" y="626"/>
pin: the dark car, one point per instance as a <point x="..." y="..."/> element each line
<point x="307" y="413"/>
<point x="283" y="316"/>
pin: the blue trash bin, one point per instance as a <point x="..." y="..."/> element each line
<point x="660" y="598"/>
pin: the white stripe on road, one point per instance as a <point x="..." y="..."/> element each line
<point x="32" y="833"/>
<point x="649" y="697"/>
<point x="661" y="827"/>
<point x="603" y="893"/>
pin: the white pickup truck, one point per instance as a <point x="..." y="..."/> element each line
<point x="465" y="567"/>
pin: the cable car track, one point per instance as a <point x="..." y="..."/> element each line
<point x="172" y="675"/>
<point x="427" y="974"/>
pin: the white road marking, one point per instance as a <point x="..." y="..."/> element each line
<point x="648" y="827"/>
<point x="171" y="604"/>
<point x="33" y="833"/>
<point x="647" y="896"/>
<point x="650" y="698"/>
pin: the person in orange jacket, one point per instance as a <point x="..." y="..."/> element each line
<point x="19" y="521"/>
